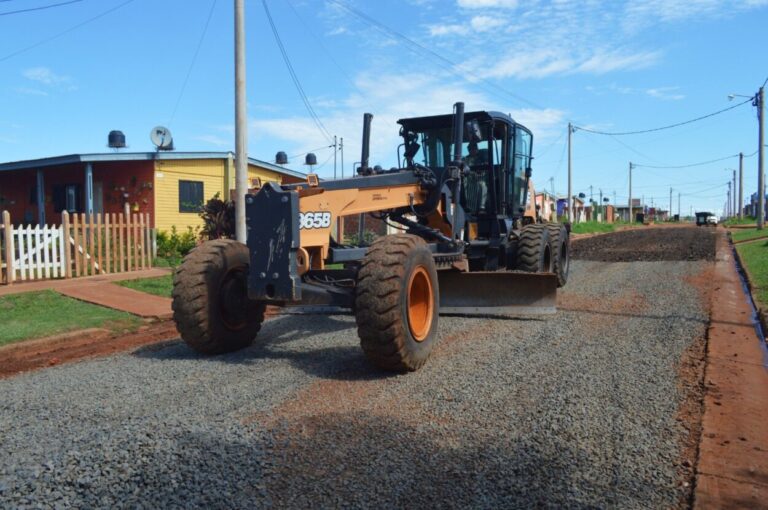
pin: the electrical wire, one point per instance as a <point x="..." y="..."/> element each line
<point x="637" y="165"/>
<point x="194" y="59"/>
<point x="670" y="126"/>
<point x="64" y="32"/>
<point x="294" y="77"/>
<point x="40" y="8"/>
<point x="446" y="63"/>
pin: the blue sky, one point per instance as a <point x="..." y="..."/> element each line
<point x="607" y="65"/>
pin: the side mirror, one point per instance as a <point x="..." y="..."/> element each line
<point x="411" y="149"/>
<point x="472" y="132"/>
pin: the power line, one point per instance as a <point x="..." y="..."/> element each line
<point x="637" y="165"/>
<point x="294" y="77"/>
<point x="194" y="59"/>
<point x="64" y="32"/>
<point x="624" y="133"/>
<point x="411" y="44"/>
<point x="41" y="8"/>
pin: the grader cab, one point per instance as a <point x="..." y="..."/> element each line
<point x="465" y="245"/>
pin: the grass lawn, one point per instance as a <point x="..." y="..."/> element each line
<point x="755" y="258"/>
<point x="46" y="313"/>
<point x="747" y="220"/>
<point x="590" y="227"/>
<point x="744" y="234"/>
<point x="159" y="286"/>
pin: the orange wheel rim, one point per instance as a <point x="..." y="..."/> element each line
<point x="421" y="304"/>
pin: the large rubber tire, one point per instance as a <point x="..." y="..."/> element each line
<point x="210" y="298"/>
<point x="397" y="302"/>
<point x="559" y="245"/>
<point x="534" y="254"/>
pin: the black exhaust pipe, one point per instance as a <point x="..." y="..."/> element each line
<point x="366" y="154"/>
<point x="458" y="140"/>
<point x="458" y="131"/>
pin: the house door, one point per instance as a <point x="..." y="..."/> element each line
<point x="98" y="197"/>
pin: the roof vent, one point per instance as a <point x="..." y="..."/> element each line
<point x="116" y="140"/>
<point x="281" y="158"/>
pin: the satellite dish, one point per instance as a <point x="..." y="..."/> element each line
<point x="161" y="137"/>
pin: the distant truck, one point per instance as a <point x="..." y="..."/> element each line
<point x="704" y="219"/>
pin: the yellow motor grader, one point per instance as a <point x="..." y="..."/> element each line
<point x="465" y="245"/>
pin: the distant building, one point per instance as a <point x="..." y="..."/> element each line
<point x="170" y="186"/>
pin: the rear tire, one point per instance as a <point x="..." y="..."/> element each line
<point x="210" y="298"/>
<point x="397" y="303"/>
<point x="559" y="244"/>
<point x="534" y="254"/>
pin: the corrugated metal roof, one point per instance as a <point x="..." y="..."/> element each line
<point x="138" y="156"/>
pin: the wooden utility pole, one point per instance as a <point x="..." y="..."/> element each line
<point x="741" y="185"/>
<point x="760" y="168"/>
<point x="241" y="124"/>
<point x="630" y="192"/>
<point x="570" y="182"/>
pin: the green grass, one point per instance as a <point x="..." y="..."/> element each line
<point x="590" y="227"/>
<point x="159" y="286"/>
<point x="755" y="258"/>
<point x="744" y="234"/>
<point x="38" y="314"/>
<point x="746" y="220"/>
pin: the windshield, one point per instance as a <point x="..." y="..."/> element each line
<point x="436" y="148"/>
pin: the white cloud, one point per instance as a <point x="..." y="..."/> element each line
<point x="606" y="61"/>
<point x="404" y="96"/>
<point x="666" y="93"/>
<point x="483" y="4"/>
<point x="31" y="92"/>
<point x="214" y="140"/>
<point x="45" y="77"/>
<point x="485" y="23"/>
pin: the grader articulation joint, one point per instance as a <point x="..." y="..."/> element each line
<point x="466" y="245"/>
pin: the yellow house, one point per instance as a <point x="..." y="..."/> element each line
<point x="170" y="186"/>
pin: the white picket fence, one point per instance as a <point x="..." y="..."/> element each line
<point x="39" y="252"/>
<point x="83" y="245"/>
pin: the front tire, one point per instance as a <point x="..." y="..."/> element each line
<point x="534" y="254"/>
<point x="559" y="245"/>
<point x="210" y="298"/>
<point x="397" y="303"/>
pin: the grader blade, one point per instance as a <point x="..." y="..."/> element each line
<point x="497" y="293"/>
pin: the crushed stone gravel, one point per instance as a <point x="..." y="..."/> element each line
<point x="572" y="410"/>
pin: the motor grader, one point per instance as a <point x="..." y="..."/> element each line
<point x="465" y="245"/>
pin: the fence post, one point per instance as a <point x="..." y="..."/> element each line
<point x="8" y="228"/>
<point x="67" y="250"/>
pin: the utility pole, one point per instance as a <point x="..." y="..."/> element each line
<point x="760" y="168"/>
<point x="630" y="192"/>
<point x="335" y="149"/>
<point x="570" y="174"/>
<point x="735" y="209"/>
<point x="741" y="185"/>
<point x="341" y="148"/>
<point x="728" y="202"/>
<point x="670" y="204"/>
<point x="241" y="124"/>
<point x="679" y="212"/>
<point x="602" y="210"/>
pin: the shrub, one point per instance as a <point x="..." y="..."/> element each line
<point x="174" y="245"/>
<point x="368" y="237"/>
<point x="218" y="219"/>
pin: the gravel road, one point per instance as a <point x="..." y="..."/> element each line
<point x="578" y="410"/>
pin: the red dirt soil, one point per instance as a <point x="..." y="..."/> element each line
<point x="46" y="352"/>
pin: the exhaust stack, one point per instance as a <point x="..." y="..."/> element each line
<point x="366" y="153"/>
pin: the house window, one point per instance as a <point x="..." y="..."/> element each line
<point x="70" y="195"/>
<point x="190" y="196"/>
